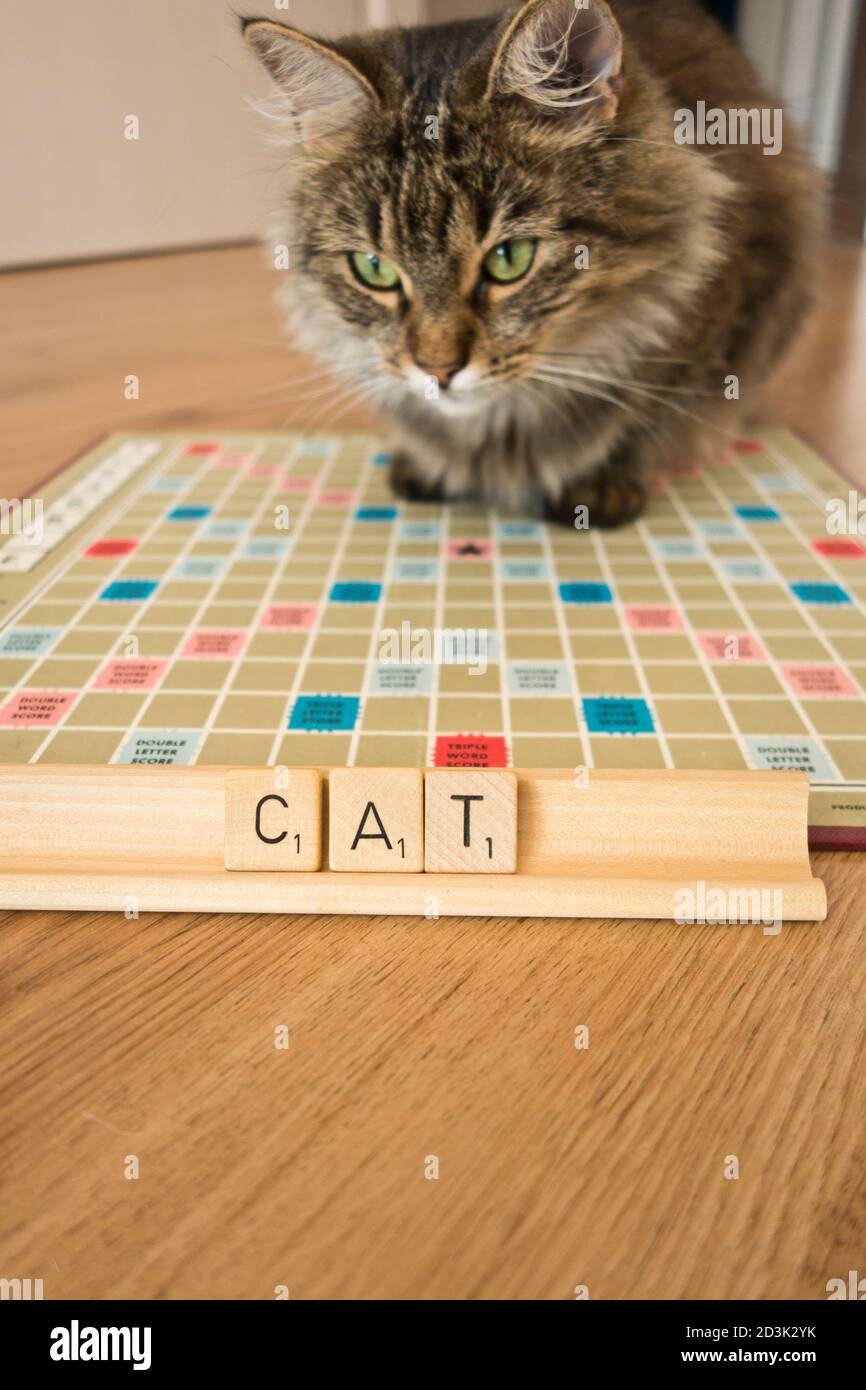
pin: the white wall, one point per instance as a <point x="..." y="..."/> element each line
<point x="73" y="186"/>
<point x="463" y="9"/>
<point x="803" y="50"/>
<point x="385" y="12"/>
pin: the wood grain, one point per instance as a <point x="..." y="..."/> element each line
<point x="455" y="1038"/>
<point x="408" y="1038"/>
<point x="687" y="846"/>
<point x="471" y="824"/>
<point x="199" y="330"/>
<point x="376" y="821"/>
<point x="273" y="819"/>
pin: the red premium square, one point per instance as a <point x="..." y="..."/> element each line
<point x="470" y="750"/>
<point x="110" y="548"/>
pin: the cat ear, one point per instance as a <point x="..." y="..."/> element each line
<point x="321" y="87"/>
<point x="562" y="56"/>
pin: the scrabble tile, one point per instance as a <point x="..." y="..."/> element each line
<point x="470" y="824"/>
<point x="273" y="819"/>
<point x="376" y="819"/>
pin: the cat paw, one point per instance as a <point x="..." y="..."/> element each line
<point x="407" y="481"/>
<point x="611" y="497"/>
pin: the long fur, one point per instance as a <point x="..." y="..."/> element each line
<point x="702" y="259"/>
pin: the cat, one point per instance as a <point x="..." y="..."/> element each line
<point x="502" y="231"/>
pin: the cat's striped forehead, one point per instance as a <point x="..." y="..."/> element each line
<point x="435" y="177"/>
<point x="432" y="196"/>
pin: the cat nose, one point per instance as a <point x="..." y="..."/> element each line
<point x="444" y="372"/>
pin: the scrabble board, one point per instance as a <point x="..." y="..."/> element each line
<point x="263" y="599"/>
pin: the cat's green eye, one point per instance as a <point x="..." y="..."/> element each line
<point x="510" y="260"/>
<point x="373" y="271"/>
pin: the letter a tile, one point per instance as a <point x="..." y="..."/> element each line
<point x="376" y="819"/>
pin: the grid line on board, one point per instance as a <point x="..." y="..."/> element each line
<point x="774" y="665"/>
<point x="444" y="524"/>
<point x="233" y="482"/>
<point x="856" y="600"/>
<point x="375" y="630"/>
<point x="706" y="665"/>
<point x="236" y="662"/>
<point x="502" y="641"/>
<point x="568" y="649"/>
<point x="116" y="514"/>
<point x="316" y="626"/>
<point x="550" y="642"/>
<point x="232" y="486"/>
<point x="113" y="572"/>
<point x="628" y="635"/>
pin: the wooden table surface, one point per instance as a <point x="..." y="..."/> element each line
<point x="308" y="1166"/>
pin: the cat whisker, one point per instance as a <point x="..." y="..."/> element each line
<point x="641" y="357"/>
<point x="536" y="394"/>
<point x="370" y="390"/>
<point x="258" y="397"/>
<point x="289" y="383"/>
<point x="650" y="394"/>
<point x="334" y="382"/>
<point x="308" y="397"/>
<point x="730" y="435"/>
<point x="357" y="399"/>
<point x="580" y="389"/>
<point x="629" y="385"/>
<point x="343" y="398"/>
<point x="267" y="342"/>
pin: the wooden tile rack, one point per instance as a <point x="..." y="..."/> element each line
<point x="622" y="845"/>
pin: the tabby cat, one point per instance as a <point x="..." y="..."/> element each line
<point x="499" y="236"/>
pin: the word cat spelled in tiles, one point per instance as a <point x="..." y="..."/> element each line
<point x="377" y="821"/>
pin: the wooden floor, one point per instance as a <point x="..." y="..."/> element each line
<point x="408" y="1040"/>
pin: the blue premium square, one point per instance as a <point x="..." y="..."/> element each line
<point x="265" y="548"/>
<point x="682" y="548"/>
<point x="28" y="641"/>
<point x="820" y="593"/>
<point x="507" y="530"/>
<point x="617" y="715"/>
<point x="720" y="531"/>
<point x="747" y="572"/>
<point x="199" y="567"/>
<point x="356" y="591"/>
<point x="775" y="753"/>
<point x="523" y="571"/>
<point x="315" y="448"/>
<point x="778" y="482"/>
<point x="173" y="747"/>
<point x="415" y="571"/>
<point x="757" y="513"/>
<point x="375" y="513"/>
<point x="584" y="591"/>
<point x="325" y="713"/>
<point x="129" y="590"/>
<point x="189" y="513"/>
<point x="170" y="484"/>
<point x="421" y="530"/>
<point x="228" y="530"/>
